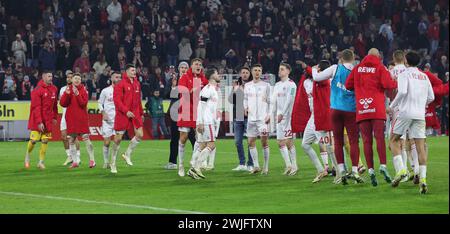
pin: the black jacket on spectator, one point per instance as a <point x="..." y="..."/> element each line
<point x="65" y="58"/>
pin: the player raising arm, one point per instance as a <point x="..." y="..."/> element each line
<point x="75" y="99"/>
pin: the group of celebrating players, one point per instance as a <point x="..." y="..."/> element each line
<point x="332" y="106"/>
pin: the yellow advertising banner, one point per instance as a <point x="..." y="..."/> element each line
<point x="20" y="110"/>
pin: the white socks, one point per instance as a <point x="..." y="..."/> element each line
<point x="202" y="157"/>
<point x="285" y="154"/>
<point x="324" y="156"/>
<point x="423" y="171"/>
<point x="266" y="153"/>
<point x="355" y="169"/>
<point x="254" y="154"/>
<point x="106" y="154"/>
<point x="89" y="148"/>
<point x="212" y="158"/>
<point x="293" y="157"/>
<point x="415" y="159"/>
<point x="341" y="169"/>
<point x="133" y="143"/>
<point x="73" y="153"/>
<point x="115" y="151"/>
<point x="195" y="156"/>
<point x="68" y="152"/>
<point x="332" y="156"/>
<point x="313" y="156"/>
<point x="404" y="159"/>
<point x="398" y="163"/>
<point x="180" y="153"/>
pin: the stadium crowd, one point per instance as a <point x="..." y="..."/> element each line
<point x="96" y="37"/>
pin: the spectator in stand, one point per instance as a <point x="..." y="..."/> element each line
<point x="19" y="48"/>
<point x="27" y="87"/>
<point x="201" y="38"/>
<point x="185" y="50"/>
<point x="172" y="50"/>
<point x="32" y="52"/>
<point x="47" y="57"/>
<point x="103" y="79"/>
<point x="157" y="81"/>
<point x="82" y="64"/>
<point x="100" y="65"/>
<point x="114" y="10"/>
<point x="433" y="35"/>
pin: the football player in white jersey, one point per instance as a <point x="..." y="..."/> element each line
<point x="205" y="123"/>
<point x="414" y="93"/>
<point x="108" y="110"/>
<point x="256" y="107"/>
<point x="408" y="147"/>
<point x="281" y="105"/>
<point x="63" y="125"/>
<point x="209" y="163"/>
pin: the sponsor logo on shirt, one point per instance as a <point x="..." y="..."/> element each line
<point x="367" y="69"/>
<point x="366" y="103"/>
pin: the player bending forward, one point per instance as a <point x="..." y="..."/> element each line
<point x="206" y="123"/>
<point x="108" y="110"/>
<point x="281" y="106"/>
<point x="414" y="94"/>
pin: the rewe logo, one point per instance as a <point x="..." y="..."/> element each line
<point x="366" y="70"/>
<point x="365" y="102"/>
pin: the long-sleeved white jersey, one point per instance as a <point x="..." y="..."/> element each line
<point x="283" y="97"/>
<point x="308" y="85"/>
<point x="207" y="106"/>
<point x="106" y="103"/>
<point x="257" y="100"/>
<point x="61" y="92"/>
<point x="413" y="95"/>
<point x="396" y="70"/>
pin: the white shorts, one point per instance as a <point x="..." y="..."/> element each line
<point x="415" y="127"/>
<point x="107" y="129"/>
<point x="184" y="129"/>
<point x="310" y="135"/>
<point x="284" y="129"/>
<point x="395" y="112"/>
<point x="259" y="128"/>
<point x="63" y="124"/>
<point x="208" y="134"/>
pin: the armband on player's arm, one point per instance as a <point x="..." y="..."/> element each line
<point x="203" y="99"/>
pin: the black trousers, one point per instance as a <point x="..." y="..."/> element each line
<point x="174" y="139"/>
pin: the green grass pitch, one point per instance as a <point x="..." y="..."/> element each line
<point x="148" y="188"/>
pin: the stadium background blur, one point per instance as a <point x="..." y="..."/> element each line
<point x="97" y="36"/>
